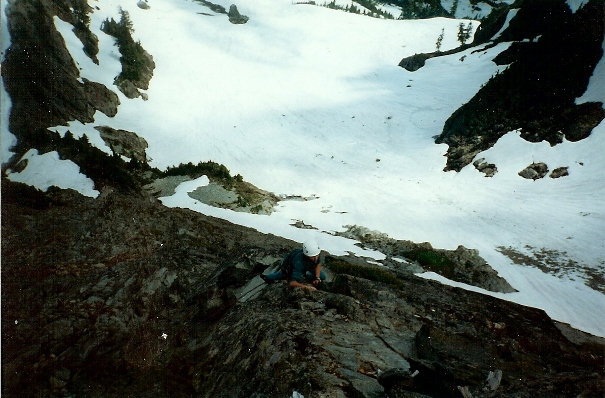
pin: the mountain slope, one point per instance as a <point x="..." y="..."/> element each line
<point x="124" y="290"/>
<point x="308" y="103"/>
<point x="548" y="67"/>
<point x="122" y="296"/>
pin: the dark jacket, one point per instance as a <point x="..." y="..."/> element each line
<point x="295" y="265"/>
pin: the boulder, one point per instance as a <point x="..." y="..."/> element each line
<point x="534" y="171"/>
<point x="235" y="17"/>
<point x="559" y="172"/>
<point x="489" y="169"/>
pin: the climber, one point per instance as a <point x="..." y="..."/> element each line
<point x="301" y="267"/>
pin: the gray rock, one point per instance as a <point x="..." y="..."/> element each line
<point x="559" y="172"/>
<point x="235" y="17"/>
<point x="124" y="142"/>
<point x="143" y="4"/>
<point x="172" y="307"/>
<point x="415" y="62"/>
<point x="489" y="169"/>
<point x="534" y="171"/>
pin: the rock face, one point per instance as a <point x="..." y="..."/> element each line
<point x="550" y="62"/>
<point x="121" y="296"/>
<point x="39" y="73"/>
<point x="462" y="265"/>
<point x="125" y="143"/>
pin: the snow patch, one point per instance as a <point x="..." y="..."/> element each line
<point x="46" y="170"/>
<point x="7" y="139"/>
<point x="575" y="5"/>
<point x="595" y="92"/>
<point x="509" y="17"/>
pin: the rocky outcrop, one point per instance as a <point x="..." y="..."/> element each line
<point x="121" y="296"/>
<point x="489" y="169"/>
<point x="234" y="193"/>
<point x="125" y="143"/>
<point x="559" y="172"/>
<point x="137" y="63"/>
<point x="462" y="265"/>
<point x="416" y="61"/>
<point x="257" y="201"/>
<point x="550" y="62"/>
<point x="235" y="17"/>
<point x="39" y="74"/>
<point x="534" y="171"/>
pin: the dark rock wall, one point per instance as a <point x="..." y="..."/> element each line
<point x="551" y="61"/>
<point x="39" y="73"/>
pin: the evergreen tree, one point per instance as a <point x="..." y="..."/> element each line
<point x="440" y="39"/>
<point x="469" y="30"/>
<point x="464" y="32"/>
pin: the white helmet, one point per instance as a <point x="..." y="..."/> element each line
<point x="311" y="248"/>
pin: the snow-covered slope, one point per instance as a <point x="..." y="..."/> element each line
<point x="309" y="101"/>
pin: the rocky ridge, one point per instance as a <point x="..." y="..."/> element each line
<point x="461" y="265"/>
<point x="39" y="73"/>
<point x="553" y="55"/>
<point x="121" y="296"/>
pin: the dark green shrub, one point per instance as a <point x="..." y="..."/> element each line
<point x="211" y="169"/>
<point x="133" y="59"/>
<point x="373" y="273"/>
<point x="432" y="260"/>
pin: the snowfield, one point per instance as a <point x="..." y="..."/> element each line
<point x="304" y="100"/>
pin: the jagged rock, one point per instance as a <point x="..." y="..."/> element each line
<point x="124" y="142"/>
<point x="101" y="98"/>
<point x="235" y="17"/>
<point x="130" y="291"/>
<point x="559" y="172"/>
<point x="489" y="169"/>
<point x="462" y="265"/>
<point x="415" y="62"/>
<point x="534" y="171"/>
